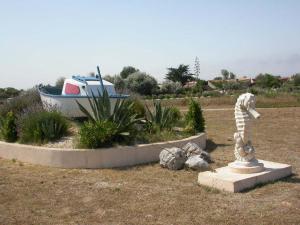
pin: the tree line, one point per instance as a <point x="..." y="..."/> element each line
<point x="132" y="80"/>
<point x="176" y="80"/>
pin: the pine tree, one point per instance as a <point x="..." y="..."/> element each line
<point x="197" y="67"/>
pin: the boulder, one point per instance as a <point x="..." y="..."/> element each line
<point x="172" y="158"/>
<point x="195" y="162"/>
<point x="206" y="156"/>
<point x="191" y="149"/>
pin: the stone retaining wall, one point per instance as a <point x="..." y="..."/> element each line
<point x="86" y="158"/>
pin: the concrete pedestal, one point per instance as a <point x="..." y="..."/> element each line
<point x="225" y="179"/>
<point x="246" y="167"/>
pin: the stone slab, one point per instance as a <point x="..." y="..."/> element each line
<point x="224" y="179"/>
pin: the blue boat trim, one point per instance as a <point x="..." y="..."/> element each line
<point x="79" y="96"/>
<point x="85" y="79"/>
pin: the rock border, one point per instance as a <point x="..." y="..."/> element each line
<point x="120" y="156"/>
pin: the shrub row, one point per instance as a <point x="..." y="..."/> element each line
<point x="24" y="118"/>
<point x="120" y="123"/>
<point x="128" y="119"/>
<point x="35" y="128"/>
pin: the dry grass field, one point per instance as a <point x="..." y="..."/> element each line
<point x="277" y="101"/>
<point x="148" y="194"/>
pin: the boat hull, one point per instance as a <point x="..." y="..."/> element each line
<point x="68" y="106"/>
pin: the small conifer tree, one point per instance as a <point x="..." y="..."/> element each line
<point x="195" y="122"/>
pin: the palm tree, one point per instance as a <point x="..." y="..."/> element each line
<point x="180" y="74"/>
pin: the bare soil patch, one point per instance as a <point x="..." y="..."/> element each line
<point x="148" y="194"/>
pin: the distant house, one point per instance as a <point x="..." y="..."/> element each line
<point x="285" y="79"/>
<point x="190" y="84"/>
<point x="245" y="79"/>
<point x="217" y="84"/>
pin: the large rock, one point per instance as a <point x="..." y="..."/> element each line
<point x="192" y="149"/>
<point x="172" y="158"/>
<point x="195" y="162"/>
<point x="206" y="156"/>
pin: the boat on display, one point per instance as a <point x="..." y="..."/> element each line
<point x="77" y="89"/>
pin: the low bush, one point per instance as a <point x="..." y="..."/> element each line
<point x="194" y="118"/>
<point x="138" y="107"/>
<point x="211" y="94"/>
<point x="9" y="92"/>
<point x="271" y="93"/>
<point x="42" y="127"/>
<point x="8" y="128"/>
<point x="267" y="81"/>
<point x="175" y="113"/>
<point x="20" y="103"/>
<point x="164" y="135"/>
<point x="97" y="134"/>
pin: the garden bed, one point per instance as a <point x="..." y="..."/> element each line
<point x="121" y="156"/>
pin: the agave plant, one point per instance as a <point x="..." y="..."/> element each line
<point x="161" y="117"/>
<point x="121" y="114"/>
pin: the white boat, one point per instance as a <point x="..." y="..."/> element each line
<point x="77" y="88"/>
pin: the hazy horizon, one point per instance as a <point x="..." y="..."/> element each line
<point x="41" y="41"/>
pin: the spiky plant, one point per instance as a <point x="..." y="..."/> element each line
<point x="121" y="114"/>
<point x="42" y="127"/>
<point x="161" y="117"/>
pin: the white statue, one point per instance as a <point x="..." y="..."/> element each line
<point x="244" y="151"/>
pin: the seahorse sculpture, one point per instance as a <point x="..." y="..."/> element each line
<point x="244" y="115"/>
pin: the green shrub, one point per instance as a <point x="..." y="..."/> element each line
<point x="164" y="135"/>
<point x="296" y="79"/>
<point x="175" y="113"/>
<point x="194" y="119"/>
<point x="267" y="81"/>
<point x="254" y="91"/>
<point x="161" y="117"/>
<point x="271" y="93"/>
<point x="138" y="107"/>
<point x="8" y="128"/>
<point x="20" y="103"/>
<point x="97" y="134"/>
<point x="9" y="92"/>
<point x="42" y="127"/>
<point x="141" y="83"/>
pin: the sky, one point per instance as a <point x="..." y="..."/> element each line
<point x="42" y="40"/>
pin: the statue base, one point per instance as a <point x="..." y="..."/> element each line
<point x="224" y="179"/>
<point x="246" y="167"/>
